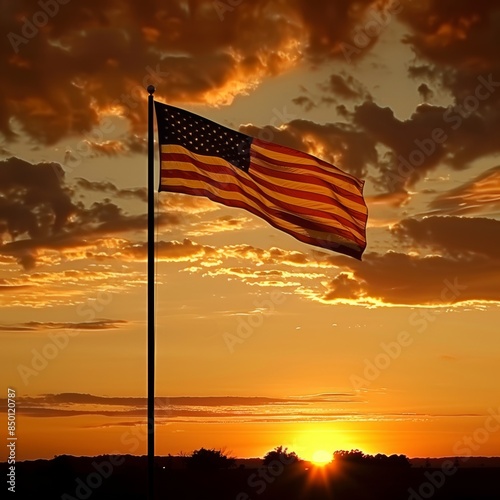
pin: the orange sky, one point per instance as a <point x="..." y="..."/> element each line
<point x="261" y="340"/>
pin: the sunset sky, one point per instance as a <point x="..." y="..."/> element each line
<point x="261" y="340"/>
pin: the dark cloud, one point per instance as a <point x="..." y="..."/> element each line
<point x="425" y="92"/>
<point x="216" y="401"/>
<point x="321" y="407"/>
<point x="338" y="86"/>
<point x="33" y="201"/>
<point x="305" y="102"/>
<point x="456" y="47"/>
<point x="88" y="148"/>
<point x="453" y="236"/>
<point x="94" y="60"/>
<point x="109" y="188"/>
<point x="37" y="212"/>
<point x="137" y="144"/>
<point x="346" y="87"/>
<point x="7" y="287"/>
<point x="182" y="407"/>
<point x="404" y="279"/>
<point x="332" y="28"/>
<point x="413" y="151"/>
<point x="432" y="136"/>
<point x="338" y="143"/>
<point x="89" y="57"/>
<point x="461" y="35"/>
<point x="284" y="135"/>
<point x="36" y="326"/>
<point x="464" y="265"/>
<point x="104" y="53"/>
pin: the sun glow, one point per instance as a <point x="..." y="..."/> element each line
<point x="321" y="458"/>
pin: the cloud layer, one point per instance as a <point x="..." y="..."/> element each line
<point x="103" y="54"/>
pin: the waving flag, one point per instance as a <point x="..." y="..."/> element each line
<point x="293" y="191"/>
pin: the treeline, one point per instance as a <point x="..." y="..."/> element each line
<point x="358" y="457"/>
<point x="212" y="459"/>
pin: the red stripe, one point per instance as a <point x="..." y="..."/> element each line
<point x="307" y="212"/>
<point x="285" y="215"/>
<point x="307" y="195"/>
<point x="309" y="177"/>
<point x="318" y="165"/>
<point x="269" y="172"/>
<point x="318" y="197"/>
<point x="323" y="243"/>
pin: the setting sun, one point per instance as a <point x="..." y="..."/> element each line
<point x="321" y="457"/>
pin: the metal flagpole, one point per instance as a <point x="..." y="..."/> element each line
<point x="151" y="297"/>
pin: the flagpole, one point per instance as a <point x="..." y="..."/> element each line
<point x="151" y="297"/>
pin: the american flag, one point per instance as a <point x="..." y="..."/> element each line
<point x="308" y="198"/>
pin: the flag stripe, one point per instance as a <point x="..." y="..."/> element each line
<point x="306" y="197"/>
<point x="228" y="191"/>
<point x="298" y="183"/>
<point x="196" y="168"/>
<point x="183" y="181"/>
<point x="312" y="237"/>
<point x="308" y="164"/>
<point x="224" y="174"/>
<point x="288" y="170"/>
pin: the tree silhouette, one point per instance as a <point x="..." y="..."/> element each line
<point x="353" y="456"/>
<point x="358" y="457"/>
<point x="281" y="455"/>
<point x="204" y="459"/>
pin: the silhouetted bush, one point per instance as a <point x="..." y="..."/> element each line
<point x="354" y="456"/>
<point x="358" y="457"/>
<point x="204" y="459"/>
<point x="282" y="455"/>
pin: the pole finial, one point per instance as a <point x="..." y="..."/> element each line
<point x="151" y="89"/>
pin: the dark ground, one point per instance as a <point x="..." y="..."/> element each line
<point x="124" y="478"/>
